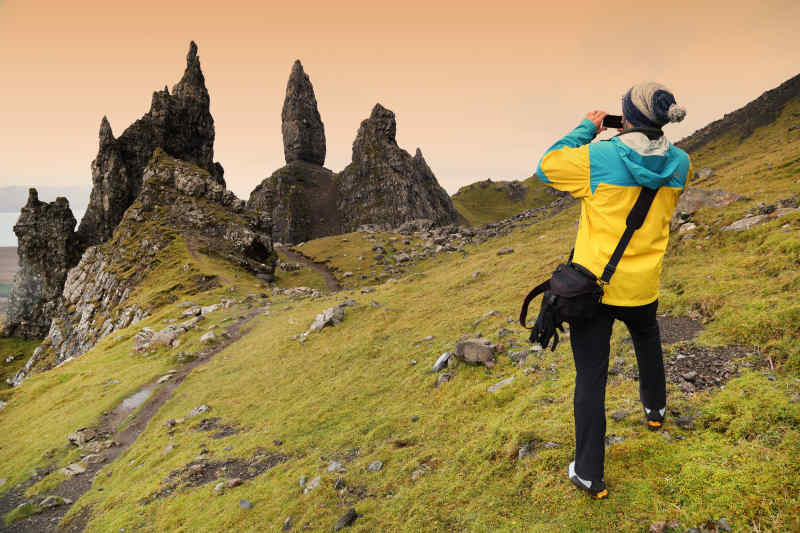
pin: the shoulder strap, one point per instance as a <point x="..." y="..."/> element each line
<point x="539" y="289"/>
<point x="632" y="223"/>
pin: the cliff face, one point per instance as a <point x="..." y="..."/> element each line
<point x="744" y="121"/>
<point x="384" y="185"/>
<point x="177" y="201"/>
<point x="298" y="201"/>
<point x="180" y="123"/>
<point x="47" y="250"/>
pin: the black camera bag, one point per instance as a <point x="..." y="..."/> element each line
<point x="573" y="291"/>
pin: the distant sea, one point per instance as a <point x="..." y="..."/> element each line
<point x="7" y="221"/>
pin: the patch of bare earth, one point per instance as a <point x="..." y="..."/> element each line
<point x="697" y="368"/>
<point x="202" y="472"/>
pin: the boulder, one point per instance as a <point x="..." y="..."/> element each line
<point x="476" y="350"/>
<point x="693" y="199"/>
<point x="330" y="317"/>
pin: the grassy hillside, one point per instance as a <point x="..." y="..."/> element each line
<point x="488" y="201"/>
<point x="363" y="391"/>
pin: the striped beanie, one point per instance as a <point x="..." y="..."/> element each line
<point x="651" y="105"/>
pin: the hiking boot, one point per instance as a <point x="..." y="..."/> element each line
<point x="597" y="489"/>
<point x="655" y="418"/>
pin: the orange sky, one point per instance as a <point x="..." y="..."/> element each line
<point x="482" y="89"/>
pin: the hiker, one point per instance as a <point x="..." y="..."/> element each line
<point x="608" y="176"/>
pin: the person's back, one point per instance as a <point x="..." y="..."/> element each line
<point x="608" y="176"/>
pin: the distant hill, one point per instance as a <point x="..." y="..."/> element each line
<point x="13" y="197"/>
<point x="488" y="201"/>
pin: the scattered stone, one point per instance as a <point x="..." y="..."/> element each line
<point x="613" y="439"/>
<point x="3" y="481"/>
<point x="302" y="480"/>
<point x="208" y="337"/>
<point x="687" y="227"/>
<point x="525" y="451"/>
<point x="198" y="411"/>
<point x="235" y="482"/>
<point x="287" y="524"/>
<point x="375" y="466"/>
<point x="347" y="520"/>
<point x="313" y="484"/>
<point x="690" y="375"/>
<point x="505" y="250"/>
<point x="501" y="384"/>
<point x="703" y="174"/>
<point x="73" y="470"/>
<point x="619" y="416"/>
<point x="54" y="501"/>
<point x="414" y="418"/>
<point x="657" y="527"/>
<point x="723" y="524"/>
<point x="245" y="504"/>
<point x="442" y="362"/>
<point x="618" y="367"/>
<point x="209" y="309"/>
<point x="519" y="356"/>
<point x="693" y="199"/>
<point x="444" y="377"/>
<point x="82" y="436"/>
<point x="219" y="486"/>
<point x="334" y="466"/>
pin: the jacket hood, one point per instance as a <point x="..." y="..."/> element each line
<point x="652" y="163"/>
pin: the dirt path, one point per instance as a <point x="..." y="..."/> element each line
<point x="322" y="268"/>
<point x="111" y="425"/>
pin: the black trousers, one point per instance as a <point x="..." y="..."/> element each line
<point x="590" y="341"/>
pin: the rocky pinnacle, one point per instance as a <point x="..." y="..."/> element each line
<point x="302" y="128"/>
<point x="47" y="250"/>
<point x="384" y="185"/>
<point x="180" y="123"/>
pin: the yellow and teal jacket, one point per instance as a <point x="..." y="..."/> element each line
<point x="607" y="177"/>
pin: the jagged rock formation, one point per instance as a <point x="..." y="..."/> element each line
<point x="298" y="202"/>
<point x="302" y="128"/>
<point x="177" y="200"/>
<point x="180" y="123"/>
<point x="47" y="250"/>
<point x="384" y="185"/>
<point x="744" y="121"/>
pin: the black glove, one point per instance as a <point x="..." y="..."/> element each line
<point x="547" y="322"/>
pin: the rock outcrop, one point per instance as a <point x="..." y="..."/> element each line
<point x="302" y="128"/>
<point x="47" y="250"/>
<point x="298" y="202"/>
<point x="180" y="123"/>
<point x="384" y="185"/>
<point x="744" y="121"/>
<point x="179" y="202"/>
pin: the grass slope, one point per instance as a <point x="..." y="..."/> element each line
<point x="350" y="393"/>
<point x="488" y="201"/>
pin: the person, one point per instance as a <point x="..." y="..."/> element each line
<point x="607" y="177"/>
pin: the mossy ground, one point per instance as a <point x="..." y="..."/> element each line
<point x="482" y="203"/>
<point x="350" y="393"/>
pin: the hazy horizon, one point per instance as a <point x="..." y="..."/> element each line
<point x="481" y="90"/>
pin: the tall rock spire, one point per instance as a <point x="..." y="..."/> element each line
<point x="180" y="123"/>
<point x="302" y="128"/>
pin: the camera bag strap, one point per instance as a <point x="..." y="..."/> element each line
<point x="634" y="221"/>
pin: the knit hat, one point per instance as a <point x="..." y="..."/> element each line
<point x="651" y="105"/>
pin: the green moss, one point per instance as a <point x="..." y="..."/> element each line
<point x="21" y="512"/>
